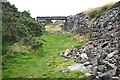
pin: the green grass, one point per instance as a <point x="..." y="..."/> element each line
<point x="97" y="12"/>
<point x="53" y="28"/>
<point x="43" y="63"/>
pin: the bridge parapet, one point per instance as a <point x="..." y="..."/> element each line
<point x="52" y="18"/>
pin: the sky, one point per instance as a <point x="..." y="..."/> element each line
<point x="57" y="7"/>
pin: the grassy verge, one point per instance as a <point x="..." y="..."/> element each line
<point x="97" y="12"/>
<point x="43" y="63"/>
<point x="53" y="28"/>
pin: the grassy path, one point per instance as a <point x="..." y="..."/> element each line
<point x="45" y="63"/>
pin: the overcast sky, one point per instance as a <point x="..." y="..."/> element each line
<point x="57" y="7"/>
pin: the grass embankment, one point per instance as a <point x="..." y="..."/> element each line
<point x="94" y="13"/>
<point x="43" y="63"/>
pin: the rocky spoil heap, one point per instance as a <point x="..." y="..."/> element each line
<point x="100" y="56"/>
<point x="105" y="25"/>
<point x="77" y="24"/>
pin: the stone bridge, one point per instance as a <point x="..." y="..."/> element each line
<point x="42" y="20"/>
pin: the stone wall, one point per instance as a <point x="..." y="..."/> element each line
<point x="77" y="24"/>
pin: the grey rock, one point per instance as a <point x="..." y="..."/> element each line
<point x="111" y="66"/>
<point x="86" y="63"/>
<point x="101" y="68"/>
<point x="118" y="71"/>
<point x="110" y="55"/>
<point x="84" y="56"/>
<point x="115" y="78"/>
<point x="77" y="66"/>
<point x="67" y="53"/>
<point x="89" y="75"/>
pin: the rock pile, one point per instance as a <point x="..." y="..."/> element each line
<point x="105" y="25"/>
<point x="77" y="24"/>
<point x="100" y="57"/>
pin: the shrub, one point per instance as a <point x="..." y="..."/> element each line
<point x="18" y="25"/>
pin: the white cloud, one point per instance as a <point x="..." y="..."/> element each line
<point x="57" y="7"/>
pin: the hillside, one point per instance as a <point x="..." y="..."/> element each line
<point x="100" y="56"/>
